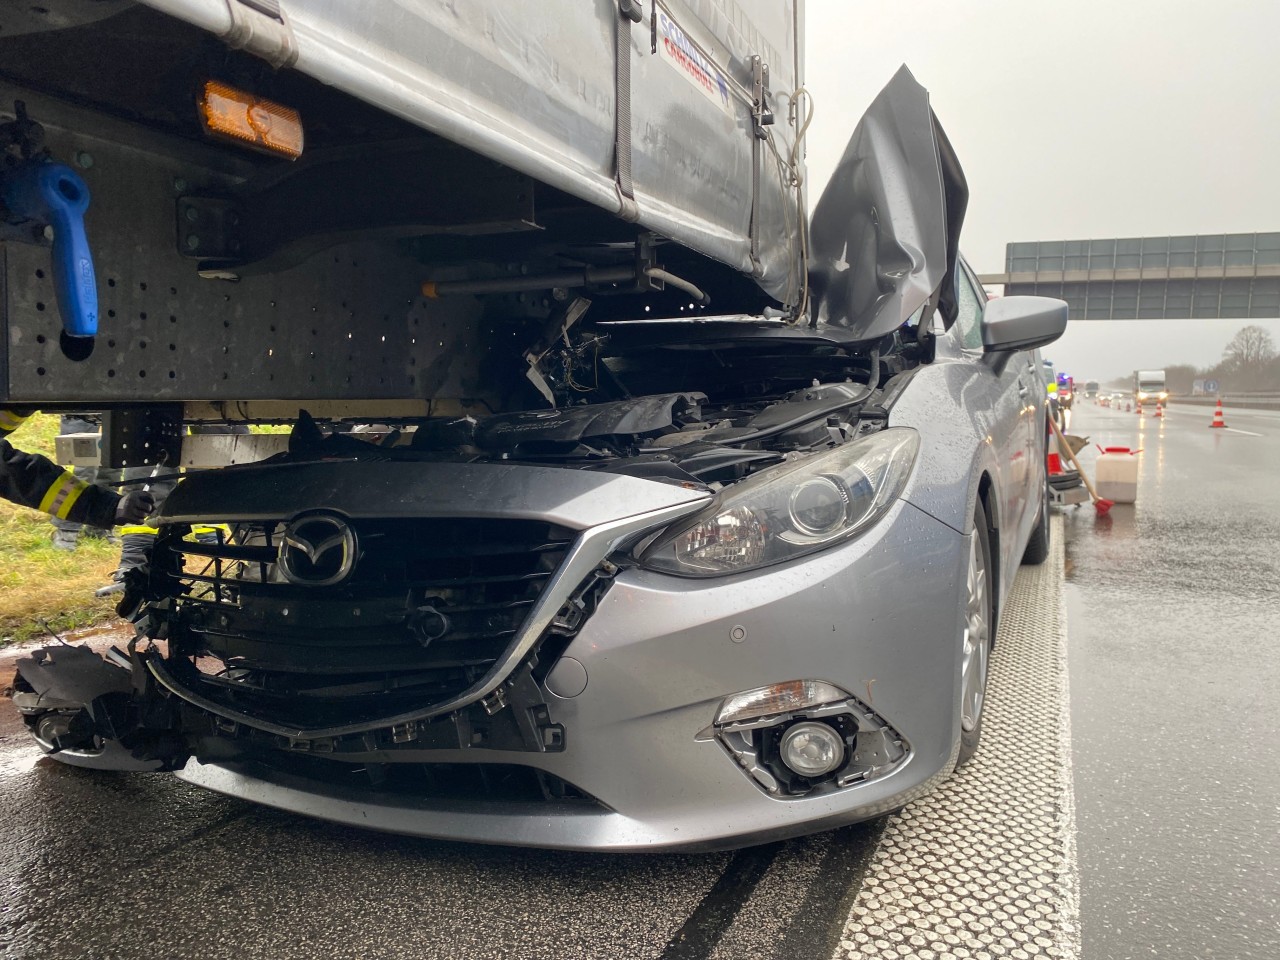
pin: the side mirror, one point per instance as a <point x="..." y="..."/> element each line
<point x="1022" y="323"/>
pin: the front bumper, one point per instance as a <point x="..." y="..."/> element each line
<point x="878" y="616"/>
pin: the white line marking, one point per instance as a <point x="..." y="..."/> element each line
<point x="1247" y="433"/>
<point x="1069" y="877"/>
<point x="986" y="865"/>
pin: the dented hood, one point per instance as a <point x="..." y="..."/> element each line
<point x="885" y="233"/>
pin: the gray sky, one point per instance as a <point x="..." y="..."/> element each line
<point x="1089" y="118"/>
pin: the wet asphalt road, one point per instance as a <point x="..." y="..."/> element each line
<point x="1173" y="606"/>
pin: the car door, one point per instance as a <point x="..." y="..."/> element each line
<point x="1007" y="398"/>
<point x="1037" y="429"/>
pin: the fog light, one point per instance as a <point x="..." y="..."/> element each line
<point x="811" y="749"/>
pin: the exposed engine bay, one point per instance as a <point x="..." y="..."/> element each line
<point x="390" y="603"/>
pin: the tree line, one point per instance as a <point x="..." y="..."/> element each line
<point x="1249" y="364"/>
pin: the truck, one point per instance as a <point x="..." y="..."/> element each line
<point x="257" y="206"/>
<point x="1149" y="387"/>
<point x="601" y="473"/>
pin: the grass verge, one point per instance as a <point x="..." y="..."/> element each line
<point x="37" y="582"/>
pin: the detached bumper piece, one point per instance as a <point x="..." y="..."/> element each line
<point x="80" y="708"/>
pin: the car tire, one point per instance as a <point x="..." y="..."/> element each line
<point x="976" y="637"/>
<point x="1037" y="551"/>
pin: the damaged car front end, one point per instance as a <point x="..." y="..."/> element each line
<point x="746" y="590"/>
<point x="587" y="650"/>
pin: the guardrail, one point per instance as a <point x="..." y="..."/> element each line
<point x="1254" y="401"/>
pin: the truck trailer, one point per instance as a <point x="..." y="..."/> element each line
<point x="644" y="158"/>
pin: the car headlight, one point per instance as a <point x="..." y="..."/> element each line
<point x="792" y="509"/>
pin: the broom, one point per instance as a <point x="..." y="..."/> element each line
<point x="1099" y="504"/>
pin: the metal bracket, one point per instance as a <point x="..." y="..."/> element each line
<point x="761" y="109"/>
<point x="761" y="117"/>
<point x="78" y="449"/>
<point x="632" y="10"/>
<point x="259" y="27"/>
<point x="22" y="133"/>
<point x="495" y="701"/>
<point x="629" y="12"/>
<point x="143" y="436"/>
<point x="411" y="189"/>
<point x="29" y="232"/>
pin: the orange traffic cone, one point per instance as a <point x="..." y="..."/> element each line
<point x="1217" y="416"/>
<point x="1159" y="410"/>
<point x="1139" y="408"/>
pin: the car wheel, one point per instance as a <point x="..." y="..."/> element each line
<point x="975" y="652"/>
<point x="1038" y="546"/>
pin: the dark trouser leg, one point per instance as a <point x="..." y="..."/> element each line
<point x="66" y="533"/>
<point x="134" y="550"/>
<point x="136" y="541"/>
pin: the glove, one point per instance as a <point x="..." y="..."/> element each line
<point x="135" y="507"/>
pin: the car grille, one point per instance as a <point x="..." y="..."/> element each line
<point x="427" y="607"/>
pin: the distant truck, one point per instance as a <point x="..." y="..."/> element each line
<point x="1091" y="389"/>
<point x="1149" y="385"/>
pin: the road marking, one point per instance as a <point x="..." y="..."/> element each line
<point x="986" y="865"/>
<point x="1247" y="433"/>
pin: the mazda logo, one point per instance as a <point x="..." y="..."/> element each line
<point x="317" y="551"/>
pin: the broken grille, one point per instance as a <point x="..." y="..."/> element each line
<point x="443" y="595"/>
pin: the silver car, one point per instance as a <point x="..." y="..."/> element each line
<point x="743" y="587"/>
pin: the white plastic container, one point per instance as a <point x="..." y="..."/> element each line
<point x="1117" y="474"/>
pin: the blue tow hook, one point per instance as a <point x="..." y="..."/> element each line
<point x="55" y="195"/>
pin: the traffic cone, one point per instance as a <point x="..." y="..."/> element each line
<point x="1217" y="416"/>
<point x="1159" y="410"/>
<point x="1139" y="408"/>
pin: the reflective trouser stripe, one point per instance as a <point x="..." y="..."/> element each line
<point x="62" y="496"/>
<point x="10" y="421"/>
<point x="195" y="528"/>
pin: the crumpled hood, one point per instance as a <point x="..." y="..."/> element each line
<point x="885" y="233"/>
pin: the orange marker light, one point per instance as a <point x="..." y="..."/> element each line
<point x="253" y="121"/>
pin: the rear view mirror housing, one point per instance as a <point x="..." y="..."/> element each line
<point x="1022" y="323"/>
